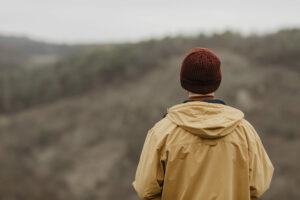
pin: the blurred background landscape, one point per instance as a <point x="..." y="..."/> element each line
<point x="74" y="115"/>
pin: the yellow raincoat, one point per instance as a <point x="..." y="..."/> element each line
<point x="203" y="151"/>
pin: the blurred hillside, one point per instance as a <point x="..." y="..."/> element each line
<point x="24" y="52"/>
<point x="73" y="128"/>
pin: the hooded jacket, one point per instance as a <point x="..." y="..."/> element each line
<point x="203" y="151"/>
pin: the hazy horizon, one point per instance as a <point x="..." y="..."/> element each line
<point x="77" y="21"/>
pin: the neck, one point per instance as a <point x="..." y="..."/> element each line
<point x="196" y="96"/>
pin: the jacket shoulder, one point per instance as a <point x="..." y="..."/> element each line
<point x="163" y="126"/>
<point x="249" y="131"/>
<point x="160" y="132"/>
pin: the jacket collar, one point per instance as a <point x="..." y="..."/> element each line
<point x="210" y="99"/>
<point x="206" y="98"/>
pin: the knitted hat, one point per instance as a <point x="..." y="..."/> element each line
<point x="200" y="71"/>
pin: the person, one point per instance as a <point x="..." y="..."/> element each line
<point x="203" y="149"/>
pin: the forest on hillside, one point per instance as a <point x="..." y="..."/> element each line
<point x="73" y="118"/>
<point x="23" y="86"/>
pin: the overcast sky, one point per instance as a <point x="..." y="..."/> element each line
<point x="76" y="21"/>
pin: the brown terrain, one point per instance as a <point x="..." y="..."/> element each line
<point x="87" y="145"/>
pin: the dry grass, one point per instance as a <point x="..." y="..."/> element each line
<point x="87" y="146"/>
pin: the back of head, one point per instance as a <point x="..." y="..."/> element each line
<point x="201" y="71"/>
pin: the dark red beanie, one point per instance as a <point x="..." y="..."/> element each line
<point x="201" y="71"/>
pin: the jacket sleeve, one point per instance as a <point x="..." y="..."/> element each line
<point x="150" y="171"/>
<point x="260" y="167"/>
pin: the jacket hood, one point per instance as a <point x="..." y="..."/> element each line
<point x="207" y="120"/>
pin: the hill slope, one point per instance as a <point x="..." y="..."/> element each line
<point x="87" y="146"/>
